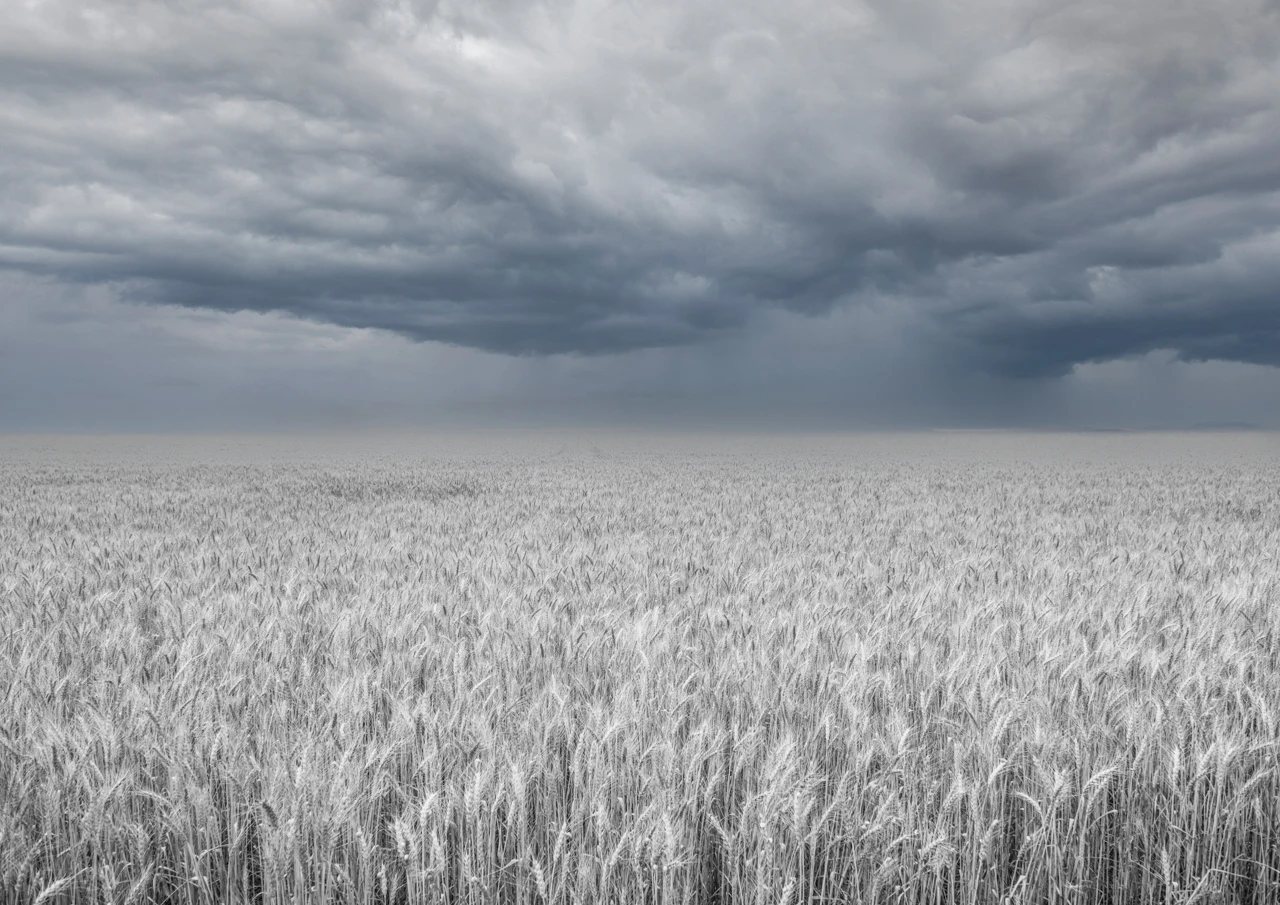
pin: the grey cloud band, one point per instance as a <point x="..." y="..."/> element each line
<point x="1042" y="186"/>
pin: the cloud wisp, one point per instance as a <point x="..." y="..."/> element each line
<point x="1038" y="185"/>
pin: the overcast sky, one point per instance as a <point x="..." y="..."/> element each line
<point x="820" y="213"/>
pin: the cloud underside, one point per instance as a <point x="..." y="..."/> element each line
<point x="1033" y="187"/>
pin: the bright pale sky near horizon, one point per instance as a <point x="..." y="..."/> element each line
<point x="823" y="213"/>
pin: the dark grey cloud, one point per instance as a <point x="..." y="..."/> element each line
<point x="80" y="358"/>
<point x="1038" y="185"/>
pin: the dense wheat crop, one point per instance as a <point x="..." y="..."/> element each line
<point x="886" y="670"/>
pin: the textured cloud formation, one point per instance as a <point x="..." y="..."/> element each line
<point x="77" y="358"/>
<point x="1032" y="185"/>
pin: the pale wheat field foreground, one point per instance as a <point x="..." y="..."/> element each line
<point x="932" y="669"/>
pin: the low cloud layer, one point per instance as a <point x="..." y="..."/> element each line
<point x="1016" y="187"/>
<point x="79" y="358"/>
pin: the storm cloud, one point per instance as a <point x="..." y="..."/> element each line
<point x="1021" y="186"/>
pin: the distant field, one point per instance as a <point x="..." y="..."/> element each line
<point x="563" y="668"/>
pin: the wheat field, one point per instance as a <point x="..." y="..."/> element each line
<point x="608" y="669"/>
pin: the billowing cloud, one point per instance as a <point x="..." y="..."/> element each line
<point x="1036" y="185"/>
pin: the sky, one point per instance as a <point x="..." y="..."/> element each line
<point x="817" y="214"/>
